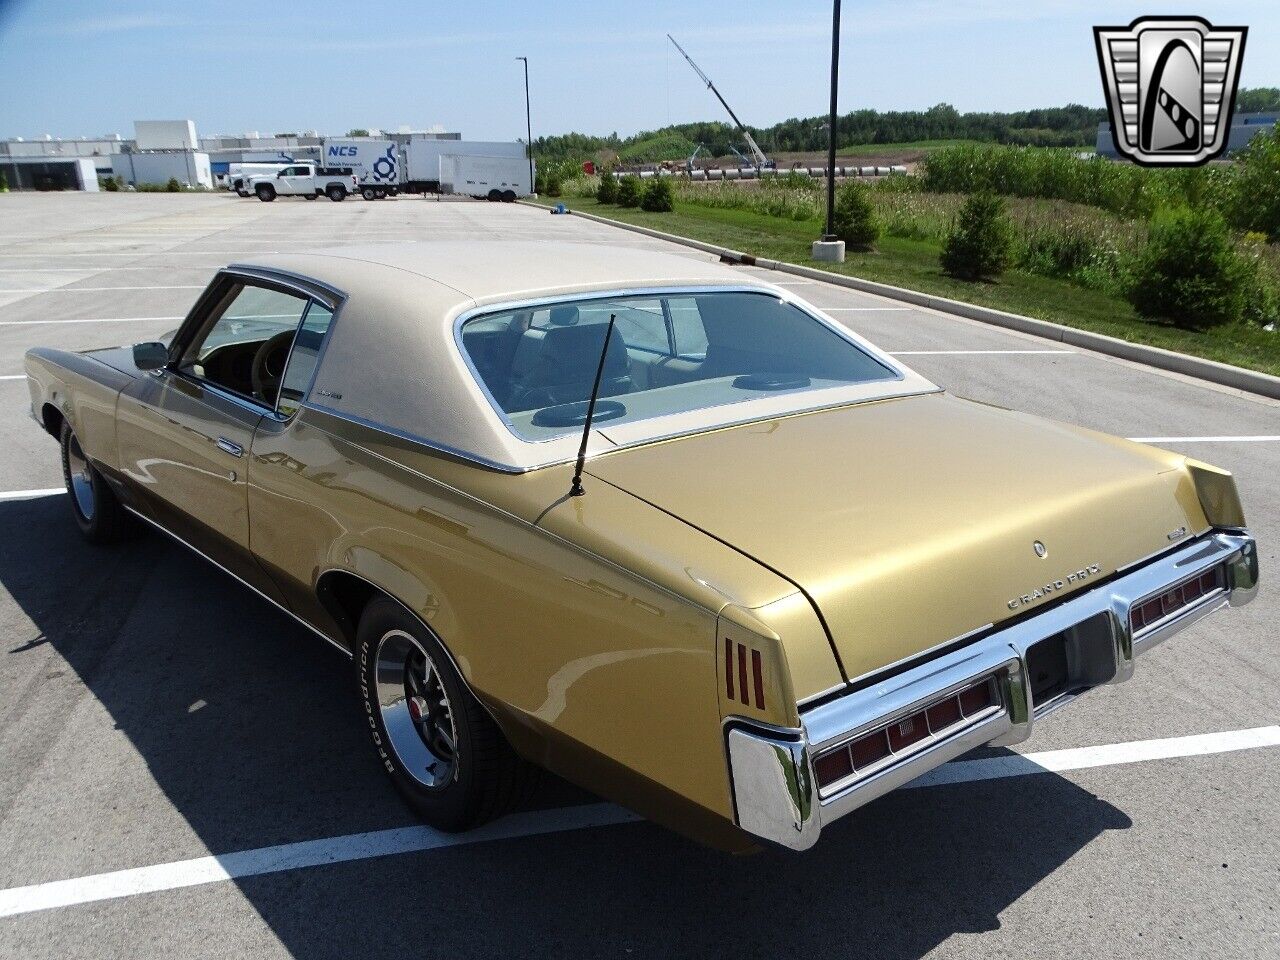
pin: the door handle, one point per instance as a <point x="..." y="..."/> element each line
<point x="230" y="447"/>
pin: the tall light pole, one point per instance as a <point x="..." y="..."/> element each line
<point x="528" y="121"/>
<point x="831" y="247"/>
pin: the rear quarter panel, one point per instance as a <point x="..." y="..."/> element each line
<point x="594" y="670"/>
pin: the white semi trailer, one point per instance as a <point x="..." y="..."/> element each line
<point x="384" y="168"/>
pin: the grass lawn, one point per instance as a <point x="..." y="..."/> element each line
<point x="914" y="264"/>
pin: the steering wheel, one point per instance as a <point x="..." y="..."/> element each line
<point x="268" y="365"/>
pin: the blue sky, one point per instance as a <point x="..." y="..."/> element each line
<point x="85" y="68"/>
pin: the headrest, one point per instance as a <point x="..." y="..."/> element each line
<point x="563" y="316"/>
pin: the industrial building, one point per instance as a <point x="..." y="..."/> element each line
<point x="1244" y="127"/>
<point x="161" y="149"/>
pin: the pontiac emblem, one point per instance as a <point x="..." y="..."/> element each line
<point x="1171" y="88"/>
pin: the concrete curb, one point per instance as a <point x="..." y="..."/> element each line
<point x="1250" y="381"/>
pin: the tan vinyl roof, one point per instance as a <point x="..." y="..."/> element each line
<point x="392" y="358"/>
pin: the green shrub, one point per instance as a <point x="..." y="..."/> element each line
<point x="979" y="244"/>
<point x="1189" y="273"/>
<point x="659" y="197"/>
<point x="4" y="183"/>
<point x="855" y="221"/>
<point x="607" y="192"/>
<point x="554" y="185"/>
<point x="629" y="189"/>
<point x="173" y="186"/>
<point x="1256" y="203"/>
<point x="111" y="185"/>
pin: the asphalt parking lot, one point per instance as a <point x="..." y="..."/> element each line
<point x="155" y="717"/>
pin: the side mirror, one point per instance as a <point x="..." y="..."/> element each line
<point x="150" y="356"/>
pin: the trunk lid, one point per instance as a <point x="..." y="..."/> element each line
<point x="911" y="522"/>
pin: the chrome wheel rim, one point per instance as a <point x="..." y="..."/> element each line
<point x="415" y="710"/>
<point x="79" y="478"/>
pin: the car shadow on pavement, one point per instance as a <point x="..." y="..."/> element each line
<point x="250" y="727"/>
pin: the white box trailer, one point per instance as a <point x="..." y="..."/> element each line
<point x="423" y="158"/>
<point x="489" y="178"/>
<point x="377" y="164"/>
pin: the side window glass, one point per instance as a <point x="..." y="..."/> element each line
<point x="686" y="323"/>
<point x="243" y="348"/>
<point x="302" y="359"/>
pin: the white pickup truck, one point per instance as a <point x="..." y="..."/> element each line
<point x="305" y="180"/>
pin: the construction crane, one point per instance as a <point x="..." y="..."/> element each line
<point x="757" y="155"/>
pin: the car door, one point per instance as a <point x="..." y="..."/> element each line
<point x="291" y="180"/>
<point x="184" y="431"/>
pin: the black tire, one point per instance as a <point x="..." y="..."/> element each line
<point x="265" y="192"/>
<point x="379" y="193"/>
<point x="309" y="196"/>
<point x="494" y="196"/>
<point x="508" y="196"/>
<point x="97" y="512"/>
<point x="483" y="778"/>
<point x="243" y="193"/>
<point x="335" y="193"/>
<point x="369" y="193"/>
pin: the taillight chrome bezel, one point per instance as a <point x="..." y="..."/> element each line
<point x="908" y="732"/>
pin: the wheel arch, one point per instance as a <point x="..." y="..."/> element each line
<point x="52" y="419"/>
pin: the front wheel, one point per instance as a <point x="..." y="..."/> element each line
<point x="266" y="193"/>
<point x="97" y="512"/>
<point x="335" y="193"/>
<point x="441" y="749"/>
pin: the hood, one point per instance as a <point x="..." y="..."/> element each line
<point x="911" y="522"/>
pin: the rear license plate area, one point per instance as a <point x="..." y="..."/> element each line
<point x="1047" y="668"/>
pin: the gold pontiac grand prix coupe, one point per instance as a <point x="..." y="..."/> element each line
<point x="787" y="575"/>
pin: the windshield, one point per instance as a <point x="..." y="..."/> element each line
<point x="669" y="353"/>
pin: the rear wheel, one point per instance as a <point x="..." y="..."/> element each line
<point x="98" y="513"/>
<point x="369" y="193"/>
<point x="495" y="196"/>
<point x="379" y="193"/>
<point x="443" y="752"/>
<point x="508" y="196"/>
<point x="335" y="193"/>
<point x="265" y="191"/>
<point x="309" y="196"/>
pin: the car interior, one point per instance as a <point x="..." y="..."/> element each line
<point x="666" y="354"/>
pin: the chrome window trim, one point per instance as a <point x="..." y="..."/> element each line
<point x="775" y="791"/>
<point x="897" y="373"/>
<point x="315" y="291"/>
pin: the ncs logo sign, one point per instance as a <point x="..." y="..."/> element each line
<point x="1171" y="88"/>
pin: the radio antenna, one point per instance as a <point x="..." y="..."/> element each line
<point x="575" y="489"/>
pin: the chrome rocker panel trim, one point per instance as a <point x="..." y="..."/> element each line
<point x="776" y="794"/>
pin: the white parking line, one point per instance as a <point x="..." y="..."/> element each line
<point x="930" y="353"/>
<point x="182" y="286"/>
<point x="14" y="376"/>
<point x="865" y="309"/>
<point x="27" y="323"/>
<point x="1257" y="439"/>
<point x="381" y="843"/>
<point x="32" y="494"/>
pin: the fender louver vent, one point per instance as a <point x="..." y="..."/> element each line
<point x="743" y="674"/>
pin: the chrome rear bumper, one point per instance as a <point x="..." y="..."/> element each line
<point x="777" y="796"/>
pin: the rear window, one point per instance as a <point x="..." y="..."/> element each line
<point x="669" y="353"/>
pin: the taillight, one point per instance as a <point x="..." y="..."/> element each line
<point x="942" y="717"/>
<point x="1175" y="598"/>
<point x="743" y="674"/>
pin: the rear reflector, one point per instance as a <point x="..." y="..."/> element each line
<point x="1175" y="598"/>
<point x="945" y="716"/>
